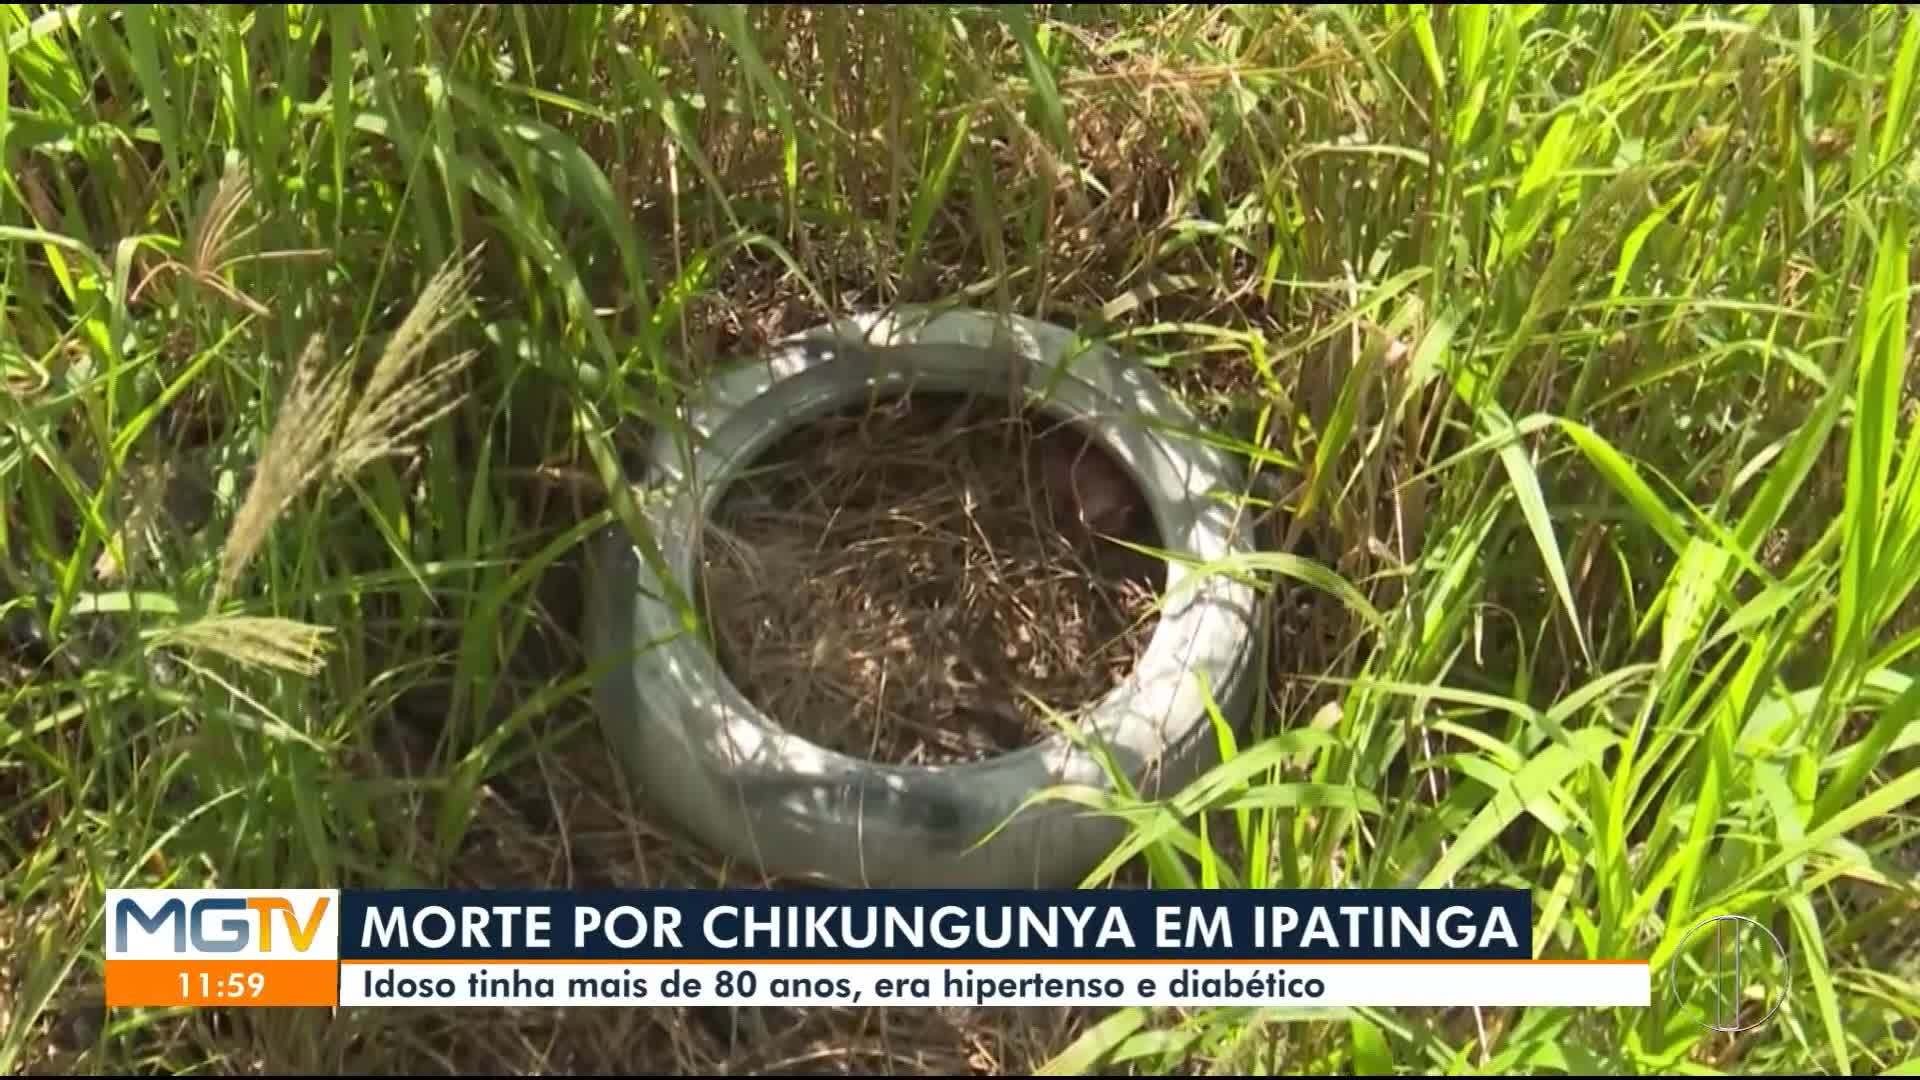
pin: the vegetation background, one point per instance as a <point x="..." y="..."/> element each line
<point x="327" y="329"/>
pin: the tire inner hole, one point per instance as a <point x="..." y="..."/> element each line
<point x="923" y="579"/>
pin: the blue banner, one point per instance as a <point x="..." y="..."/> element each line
<point x="854" y="925"/>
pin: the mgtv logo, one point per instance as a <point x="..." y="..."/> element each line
<point x="280" y="923"/>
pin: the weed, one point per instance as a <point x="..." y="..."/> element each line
<point x="1569" y="346"/>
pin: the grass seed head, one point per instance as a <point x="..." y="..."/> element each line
<point x="295" y="457"/>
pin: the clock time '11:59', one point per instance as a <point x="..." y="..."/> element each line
<point x="233" y="985"/>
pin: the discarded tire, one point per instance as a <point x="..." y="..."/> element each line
<point x="732" y="777"/>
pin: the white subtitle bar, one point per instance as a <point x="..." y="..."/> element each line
<point x="612" y="983"/>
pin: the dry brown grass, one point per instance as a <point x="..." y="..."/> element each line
<point x="894" y="583"/>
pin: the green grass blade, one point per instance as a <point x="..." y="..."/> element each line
<point x="1539" y="778"/>
<point x="1625" y="479"/>
<point x="1533" y="506"/>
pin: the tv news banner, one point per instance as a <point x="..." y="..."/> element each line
<point x="327" y="947"/>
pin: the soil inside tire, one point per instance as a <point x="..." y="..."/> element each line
<point x="895" y="582"/>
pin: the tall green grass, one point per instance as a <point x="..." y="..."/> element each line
<point x="1606" y="565"/>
